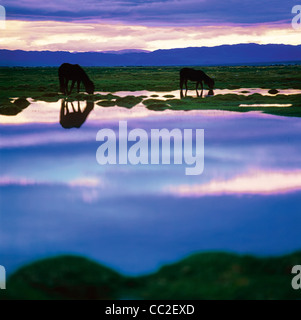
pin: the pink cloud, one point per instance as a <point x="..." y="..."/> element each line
<point x="91" y="36"/>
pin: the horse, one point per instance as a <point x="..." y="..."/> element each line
<point x="75" y="73"/>
<point x="197" y="76"/>
<point x="75" y="118"/>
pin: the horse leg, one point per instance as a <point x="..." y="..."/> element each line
<point x="66" y="107"/>
<point x="181" y="87"/>
<point x="62" y="84"/>
<point x="78" y="107"/>
<point x="73" y="107"/>
<point x="72" y="86"/>
<point x="202" y="88"/>
<point x="63" y="108"/>
<point x="78" y="86"/>
<point x="186" y="87"/>
<point x="196" y="89"/>
<point x="62" y="113"/>
<point x="66" y="86"/>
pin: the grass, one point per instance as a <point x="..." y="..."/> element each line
<point x="211" y="275"/>
<point x="128" y="101"/>
<point x="67" y="277"/>
<point x="42" y="84"/>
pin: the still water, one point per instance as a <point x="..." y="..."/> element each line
<point x="56" y="198"/>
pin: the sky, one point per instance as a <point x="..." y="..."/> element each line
<point x="104" y="25"/>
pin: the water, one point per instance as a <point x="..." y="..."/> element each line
<point x="56" y="198"/>
<point x="192" y="93"/>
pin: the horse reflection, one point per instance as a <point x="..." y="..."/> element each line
<point x="74" y="118"/>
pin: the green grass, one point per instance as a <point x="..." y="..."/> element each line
<point x="212" y="275"/>
<point x="64" y="277"/>
<point x="231" y="102"/>
<point x="42" y="84"/>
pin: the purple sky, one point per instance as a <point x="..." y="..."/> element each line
<point x="154" y="12"/>
<point x="101" y="25"/>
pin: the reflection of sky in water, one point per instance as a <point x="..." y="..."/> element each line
<point x="191" y="92"/>
<point x="55" y="197"/>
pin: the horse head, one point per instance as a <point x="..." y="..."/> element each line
<point x="210" y="83"/>
<point x="90" y="87"/>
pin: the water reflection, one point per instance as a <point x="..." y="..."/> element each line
<point x="49" y="112"/>
<point x="137" y="217"/>
<point x="198" y="94"/>
<point x="72" y="117"/>
<point x="45" y="111"/>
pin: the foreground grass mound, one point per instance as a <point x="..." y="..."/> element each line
<point x="224" y="276"/>
<point x="63" y="277"/>
<point x="209" y="275"/>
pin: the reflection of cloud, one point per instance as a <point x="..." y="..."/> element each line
<point x="71" y="36"/>
<point x="87" y="187"/>
<point x="88" y="182"/>
<point x="252" y="183"/>
<point x="7" y="181"/>
<point x="45" y="138"/>
<point x="83" y="182"/>
<point x="90" y="196"/>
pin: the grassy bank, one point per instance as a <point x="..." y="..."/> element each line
<point x="42" y="84"/>
<point x="200" y="276"/>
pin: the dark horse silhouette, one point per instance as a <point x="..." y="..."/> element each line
<point x="75" y="73"/>
<point x="195" y="75"/>
<point x="75" y="118"/>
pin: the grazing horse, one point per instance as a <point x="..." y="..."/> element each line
<point x="75" y="118"/>
<point x="75" y="73"/>
<point x="195" y="75"/>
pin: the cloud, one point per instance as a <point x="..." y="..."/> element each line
<point x="263" y="183"/>
<point x="153" y="12"/>
<point x="68" y="36"/>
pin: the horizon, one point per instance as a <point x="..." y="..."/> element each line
<point x="127" y="50"/>
<point x="152" y="25"/>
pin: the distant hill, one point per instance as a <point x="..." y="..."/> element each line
<point x="126" y="51"/>
<point x="221" y="55"/>
<point x="211" y="275"/>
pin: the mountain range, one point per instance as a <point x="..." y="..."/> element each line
<point x="220" y="55"/>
